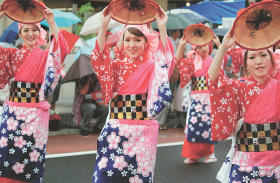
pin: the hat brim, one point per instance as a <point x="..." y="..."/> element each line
<point x="30" y="16"/>
<point x="119" y="12"/>
<point x="198" y="34"/>
<point x="251" y="36"/>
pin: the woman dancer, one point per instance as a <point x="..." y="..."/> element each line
<point x="248" y="110"/>
<point x="138" y="89"/>
<point x="32" y="74"/>
<point x="194" y="67"/>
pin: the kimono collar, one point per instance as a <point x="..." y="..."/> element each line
<point x="263" y="85"/>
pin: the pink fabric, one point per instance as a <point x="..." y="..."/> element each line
<point x="33" y="66"/>
<point x="43" y="33"/>
<point x="44" y="105"/>
<point x="267" y="158"/>
<point x="265" y="108"/>
<point x="142" y="75"/>
<point x="193" y="66"/>
<point x="229" y="100"/>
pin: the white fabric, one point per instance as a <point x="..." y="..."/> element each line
<point x="182" y="97"/>
<point x="224" y="172"/>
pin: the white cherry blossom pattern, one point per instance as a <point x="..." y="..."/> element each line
<point x="12" y="124"/>
<point x="103" y="163"/>
<point x="34" y="156"/>
<point x="3" y="142"/>
<point x="19" y="142"/>
<point x="135" y="179"/>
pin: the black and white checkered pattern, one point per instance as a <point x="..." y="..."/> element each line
<point x="24" y="92"/>
<point x="129" y="107"/>
<point x="259" y="137"/>
<point x="199" y="83"/>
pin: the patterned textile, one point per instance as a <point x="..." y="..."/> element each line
<point x="258" y="137"/>
<point x="199" y="122"/>
<point x="129" y="107"/>
<point x="264" y="174"/>
<point x="24" y="92"/>
<point x="199" y="83"/>
<point x="126" y="152"/>
<point x="23" y="143"/>
<point x="24" y="126"/>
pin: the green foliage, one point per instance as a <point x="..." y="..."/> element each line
<point x="83" y="13"/>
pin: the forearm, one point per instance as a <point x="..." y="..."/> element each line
<point x="54" y="30"/>
<point x="214" y="70"/>
<point x="180" y="52"/>
<point x="163" y="35"/>
<point x="101" y="38"/>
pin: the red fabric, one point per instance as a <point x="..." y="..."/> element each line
<point x="230" y="99"/>
<point x="6" y="180"/>
<point x="197" y="150"/>
<point x="70" y="38"/>
<point x="31" y="64"/>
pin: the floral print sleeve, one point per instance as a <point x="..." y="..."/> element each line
<point x="6" y="64"/>
<point x="236" y="55"/>
<point x="225" y="106"/>
<point x="103" y="68"/>
<point x="186" y="68"/>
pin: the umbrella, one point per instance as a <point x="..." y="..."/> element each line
<point x="175" y="22"/>
<point x="93" y="23"/>
<point x="63" y="19"/>
<point x="70" y="38"/>
<point x="80" y="68"/>
<point x="221" y="31"/>
<point x="189" y="14"/>
<point x="6" y="45"/>
<point x="10" y="33"/>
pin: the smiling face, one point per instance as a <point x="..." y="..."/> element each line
<point x="134" y="43"/>
<point x="203" y="51"/>
<point x="259" y="63"/>
<point x="29" y="33"/>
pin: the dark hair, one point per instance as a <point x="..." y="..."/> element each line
<point x="135" y="32"/>
<point x="35" y="26"/>
<point x="246" y="57"/>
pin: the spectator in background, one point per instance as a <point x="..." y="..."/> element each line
<point x="89" y="105"/>
<point x="174" y="38"/>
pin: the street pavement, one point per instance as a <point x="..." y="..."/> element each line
<point x="169" y="165"/>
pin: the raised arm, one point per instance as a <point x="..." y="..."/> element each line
<point x="105" y="18"/>
<point x="214" y="70"/>
<point x="2" y="12"/>
<point x="49" y="16"/>
<point x="161" y="19"/>
<point x="181" y="48"/>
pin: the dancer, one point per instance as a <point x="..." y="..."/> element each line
<point x="32" y="74"/>
<point x="198" y="146"/>
<point x="138" y="89"/>
<point x="248" y="110"/>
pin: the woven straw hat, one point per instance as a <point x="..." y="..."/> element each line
<point x="198" y="34"/>
<point x="258" y="26"/>
<point x="133" y="11"/>
<point x="24" y="11"/>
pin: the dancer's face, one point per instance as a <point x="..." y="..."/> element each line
<point x="29" y="33"/>
<point x="259" y="63"/>
<point x="134" y="45"/>
<point x="203" y="51"/>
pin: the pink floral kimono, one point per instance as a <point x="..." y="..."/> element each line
<point x="250" y="112"/>
<point x="198" y="142"/>
<point x="137" y="92"/>
<point x="32" y="75"/>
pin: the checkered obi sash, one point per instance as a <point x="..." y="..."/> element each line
<point x="199" y="83"/>
<point x="24" y="92"/>
<point x="258" y="137"/>
<point x="129" y="107"/>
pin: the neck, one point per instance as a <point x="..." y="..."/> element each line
<point x="31" y="47"/>
<point x="261" y="80"/>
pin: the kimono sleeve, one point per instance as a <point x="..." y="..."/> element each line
<point x="186" y="69"/>
<point x="62" y="45"/>
<point x="236" y="55"/>
<point x="225" y="107"/>
<point x="6" y="72"/>
<point x="104" y="69"/>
